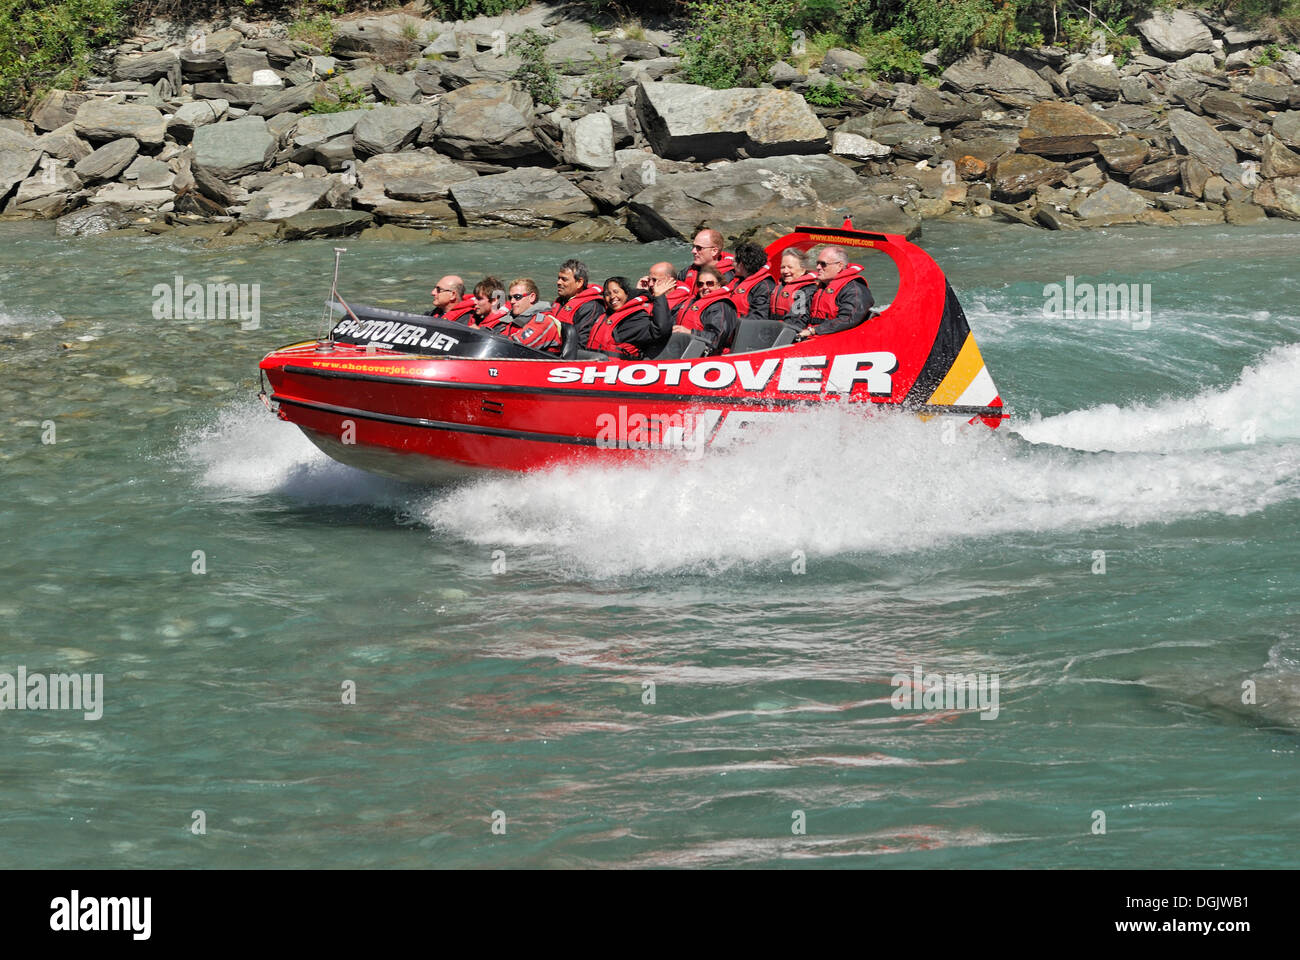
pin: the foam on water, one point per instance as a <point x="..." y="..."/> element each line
<point x="830" y="481"/>
<point x="1262" y="406"/>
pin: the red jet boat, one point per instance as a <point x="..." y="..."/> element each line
<point x="416" y="398"/>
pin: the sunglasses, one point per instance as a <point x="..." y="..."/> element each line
<point x="707" y="246"/>
<point x="825" y="263"/>
<point x="519" y="296"/>
<point x="443" y="290"/>
<point x="708" y="283"/>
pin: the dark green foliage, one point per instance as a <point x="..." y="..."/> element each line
<point x="535" y="72"/>
<point x="733" y="43"/>
<point x="45" y="43"/>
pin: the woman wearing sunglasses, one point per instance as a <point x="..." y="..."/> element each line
<point x="711" y="315"/>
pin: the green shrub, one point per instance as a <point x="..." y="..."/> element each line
<point x="317" y="30"/>
<point x="48" y="43"/>
<point x="535" y="72"/>
<point x="469" y="9"/>
<point x="733" y="43"/>
<point x="890" y="58"/>
<point x="349" y="98"/>
<point x="605" y="81"/>
<point x="828" y="94"/>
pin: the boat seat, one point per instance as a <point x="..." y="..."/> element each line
<point x="696" y="348"/>
<point x="674" y="347"/>
<point x="758" y="334"/>
<point x="585" y="354"/>
<point x="568" y="342"/>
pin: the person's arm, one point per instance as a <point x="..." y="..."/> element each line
<point x="851" y="309"/>
<point x="760" y="299"/>
<point x="585" y="318"/>
<point x="719" y="321"/>
<point x="647" y="331"/>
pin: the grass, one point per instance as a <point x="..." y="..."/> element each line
<point x="317" y="30"/>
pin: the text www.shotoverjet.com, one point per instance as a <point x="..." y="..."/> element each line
<point x="1203" y="927"/>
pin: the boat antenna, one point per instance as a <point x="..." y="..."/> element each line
<point x="334" y="291"/>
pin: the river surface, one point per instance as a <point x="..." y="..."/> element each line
<point x="684" y="664"/>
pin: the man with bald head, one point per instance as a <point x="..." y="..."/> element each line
<point x="707" y="251"/>
<point x="449" y="300"/>
<point x="840" y="300"/>
<point x="678" y="294"/>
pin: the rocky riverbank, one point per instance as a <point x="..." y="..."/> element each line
<point x="414" y="129"/>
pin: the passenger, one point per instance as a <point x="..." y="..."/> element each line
<point x="677" y="294"/>
<point x="841" y="299"/>
<point x="490" y="310"/>
<point x="634" y="326"/>
<point x="711" y="316"/>
<point x="791" y="296"/>
<point x="751" y="291"/>
<point x="543" y="331"/>
<point x="449" y="300"/>
<point x="707" y="251"/>
<point x="524" y="303"/>
<point x="577" y="301"/>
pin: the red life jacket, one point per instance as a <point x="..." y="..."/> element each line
<point x="740" y="295"/>
<point x="783" y="295"/>
<point x="677" y="296"/>
<point x="725" y="265"/>
<point x="544" y="331"/>
<point x="457" y="310"/>
<point x="823" y="301"/>
<point x="565" y="313"/>
<point x="604" y="333"/>
<point x="497" y="318"/>
<point x="691" y="313"/>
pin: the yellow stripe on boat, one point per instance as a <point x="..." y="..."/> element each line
<point x="962" y="375"/>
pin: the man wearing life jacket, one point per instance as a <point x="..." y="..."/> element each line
<point x="707" y="251"/>
<point x="490" y="311"/>
<point x="576" y="300"/>
<point x="678" y="293"/>
<point x="792" y="293"/>
<point x="841" y="299"/>
<point x="634" y="326"/>
<point x="711" y="316"/>
<point x="524" y="303"/>
<point x="751" y="291"/>
<point x="449" y="300"/>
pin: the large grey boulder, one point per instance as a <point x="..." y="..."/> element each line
<point x="202" y="66"/>
<point x="63" y="180"/>
<point x="287" y="197"/>
<point x="290" y="100"/>
<point x="57" y="108"/>
<point x="1278" y="160"/>
<point x="685" y="120"/>
<point x="64" y="143"/>
<point x="1113" y="199"/>
<point x="99" y="122"/>
<point x="576" y="55"/>
<point x="108" y="161"/>
<point x="236" y="94"/>
<point x="482" y="68"/>
<point x="1096" y="81"/>
<point x="1280" y="197"/>
<point x="1174" y="34"/>
<point x="197" y="113"/>
<point x="984" y="72"/>
<point x="1286" y="127"/>
<point x="839" y="61"/>
<point x="242" y="63"/>
<point x="315" y="224"/>
<point x="487" y="121"/>
<point x="751" y="194"/>
<point x="317" y="128"/>
<point x="1058" y="129"/>
<point x="1020" y="174"/>
<point x="1196" y="138"/>
<point x="150" y="67"/>
<point x="132" y="198"/>
<point x="388" y="129"/>
<point x="18" y="157"/>
<point x="436" y="173"/>
<point x="381" y="38"/>
<point x="526" y="197"/>
<point x="395" y="88"/>
<point x="1123" y="154"/>
<point x="89" y="221"/>
<point x="226" y="151"/>
<point x="589" y="142"/>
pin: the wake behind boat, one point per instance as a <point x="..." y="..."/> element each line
<point x="423" y="399"/>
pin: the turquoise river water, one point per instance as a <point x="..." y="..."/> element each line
<point x="626" y="667"/>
